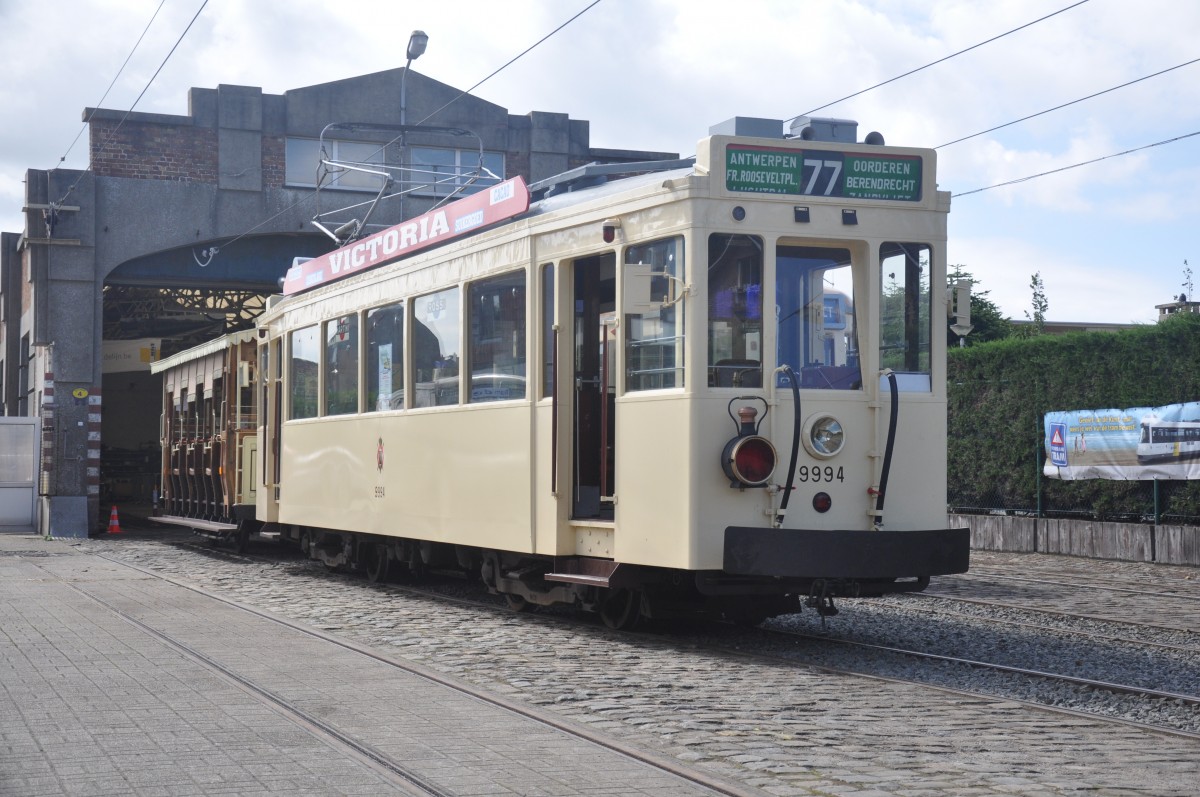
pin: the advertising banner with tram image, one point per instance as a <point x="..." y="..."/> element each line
<point x="467" y="215"/>
<point x="1140" y="443"/>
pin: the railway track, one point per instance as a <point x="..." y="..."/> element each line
<point x="1191" y="700"/>
<point x="735" y="700"/>
<point x="934" y="594"/>
<point x="401" y="775"/>
<point x="1041" y="686"/>
<point x="1109" y="584"/>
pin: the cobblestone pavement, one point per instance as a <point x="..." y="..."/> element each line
<point x="116" y="682"/>
<point x="1134" y="592"/>
<point x="785" y="729"/>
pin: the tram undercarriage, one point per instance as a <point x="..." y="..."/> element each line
<point x="620" y="594"/>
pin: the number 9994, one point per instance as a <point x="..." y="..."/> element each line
<point x="817" y="473"/>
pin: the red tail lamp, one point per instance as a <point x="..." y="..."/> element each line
<point x="748" y="459"/>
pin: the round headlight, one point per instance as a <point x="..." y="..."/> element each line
<point x="823" y="436"/>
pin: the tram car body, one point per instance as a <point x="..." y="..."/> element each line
<point x="1168" y="441"/>
<point x="684" y="392"/>
<point x="209" y="437"/>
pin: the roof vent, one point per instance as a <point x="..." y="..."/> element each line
<point x="811" y="128"/>
<point x="748" y="126"/>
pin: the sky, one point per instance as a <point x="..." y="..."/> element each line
<point x="1109" y="240"/>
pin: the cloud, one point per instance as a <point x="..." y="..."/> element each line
<point x="655" y="74"/>
<point x="1076" y="288"/>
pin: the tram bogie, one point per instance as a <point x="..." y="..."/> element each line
<point x="679" y="393"/>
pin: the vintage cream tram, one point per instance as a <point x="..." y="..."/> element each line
<point x="209" y="437"/>
<point x="682" y="392"/>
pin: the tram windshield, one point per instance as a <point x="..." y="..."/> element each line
<point x="813" y="311"/>
<point x="816" y="333"/>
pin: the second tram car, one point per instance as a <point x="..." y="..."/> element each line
<point x="1168" y="441"/>
<point x="683" y="392"/>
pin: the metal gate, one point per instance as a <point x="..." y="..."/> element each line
<point x="18" y="473"/>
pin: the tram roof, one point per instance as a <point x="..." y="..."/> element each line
<point x="589" y="193"/>
<point x="203" y="350"/>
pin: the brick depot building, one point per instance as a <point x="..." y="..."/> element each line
<point x="179" y="231"/>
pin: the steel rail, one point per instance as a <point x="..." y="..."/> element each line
<point x="976" y="574"/>
<point x="930" y="594"/>
<point x="715" y="784"/>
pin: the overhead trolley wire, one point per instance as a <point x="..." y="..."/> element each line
<point x="461" y="94"/>
<point x="509" y="63"/>
<point x="1067" y="104"/>
<point x="935" y="63"/>
<point x="137" y="44"/>
<point x="149" y="83"/>
<point x="1077" y="165"/>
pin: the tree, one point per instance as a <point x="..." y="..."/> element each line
<point x="1040" y="306"/>
<point x="988" y="322"/>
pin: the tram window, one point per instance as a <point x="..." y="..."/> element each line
<point x="548" y="337"/>
<point x="385" y="358"/>
<point x="905" y="313"/>
<point x="653" y="331"/>
<point x="436" y="347"/>
<point x="816" y="333"/>
<point x="305" y="348"/>
<point x="735" y="310"/>
<point x="341" y="365"/>
<point x="496" y="315"/>
<point x="264" y="371"/>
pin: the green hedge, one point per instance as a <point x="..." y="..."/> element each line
<point x="1000" y="391"/>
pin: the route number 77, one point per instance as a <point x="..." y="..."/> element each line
<point x="834" y="168"/>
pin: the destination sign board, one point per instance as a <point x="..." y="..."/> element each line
<point x="852" y="175"/>
<point x="498" y="203"/>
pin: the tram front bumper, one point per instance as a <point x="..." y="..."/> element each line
<point x="832" y="554"/>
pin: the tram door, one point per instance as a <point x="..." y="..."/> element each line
<point x="594" y="422"/>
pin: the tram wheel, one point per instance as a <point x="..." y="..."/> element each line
<point x="242" y="541"/>
<point x="305" y="543"/>
<point x="518" y="603"/>
<point x="622" y="609"/>
<point x="747" y="618"/>
<point x="378" y="563"/>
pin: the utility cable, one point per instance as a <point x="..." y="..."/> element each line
<point x="461" y="94"/>
<point x="1077" y="165"/>
<point x="1066" y="104"/>
<point x="934" y="63"/>
<point x="516" y="58"/>
<point x="114" y="81"/>
<point x="149" y="83"/>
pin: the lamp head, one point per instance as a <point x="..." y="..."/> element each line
<point x="417" y="43"/>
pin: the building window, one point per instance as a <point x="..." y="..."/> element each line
<point x="306" y="353"/>
<point x="438" y="172"/>
<point x="497" y="354"/>
<point x="341" y="365"/>
<point x="303" y="161"/>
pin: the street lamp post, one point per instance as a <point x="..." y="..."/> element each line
<point x="417" y="42"/>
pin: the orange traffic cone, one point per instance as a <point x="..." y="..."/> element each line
<point x="114" y="525"/>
